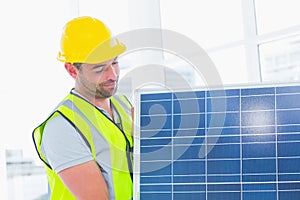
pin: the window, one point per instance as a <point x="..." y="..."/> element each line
<point x="217" y="26"/>
<point x="278" y="27"/>
<point x="237" y="33"/>
<point x="280" y="59"/>
<point x="276" y="15"/>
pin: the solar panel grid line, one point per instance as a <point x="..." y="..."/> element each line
<point x="184" y="114"/>
<point x="154" y="115"/>
<point x="206" y="150"/>
<point x="172" y="133"/>
<point x="276" y="153"/>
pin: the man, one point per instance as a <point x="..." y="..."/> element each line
<point x="86" y="142"/>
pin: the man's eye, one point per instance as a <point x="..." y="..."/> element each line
<point x="99" y="70"/>
<point x="115" y="63"/>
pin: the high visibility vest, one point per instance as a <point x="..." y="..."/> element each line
<point x="84" y="117"/>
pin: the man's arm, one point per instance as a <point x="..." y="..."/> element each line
<point x="85" y="181"/>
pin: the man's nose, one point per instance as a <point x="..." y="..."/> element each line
<point x="112" y="72"/>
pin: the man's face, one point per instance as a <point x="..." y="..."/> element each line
<point x="99" y="80"/>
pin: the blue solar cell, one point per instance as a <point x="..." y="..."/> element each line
<point x="223" y="140"/>
<point x="257" y="91"/>
<point x="190" y="187"/>
<point x="188" y="140"/>
<point x="189" y="196"/>
<point x="159" y="179"/>
<point x="150" y="142"/>
<point x="259" y="150"/>
<point x="189" y="179"/>
<point x="258" y="138"/>
<point x="224" y="195"/>
<point x="255" y="166"/>
<point x="156" y="153"/>
<point x="189" y="106"/>
<point x="188" y="121"/>
<point x="156" y="188"/>
<point x="156" y="107"/>
<point x="156" y="122"/>
<point x="189" y="132"/>
<point x="151" y="196"/>
<point x="289" y="186"/>
<point x="188" y="167"/>
<point x="157" y="96"/>
<point x="289" y="195"/>
<point x="252" y="103"/>
<point x="223" y="104"/>
<point x="223" y="167"/>
<point x="222" y="93"/>
<point x="259" y="195"/>
<point x="288" y="89"/>
<point x="260" y="186"/>
<point x="189" y="95"/>
<point x="288" y="137"/>
<point x="288" y="117"/>
<point x="186" y="152"/>
<point x="223" y="119"/>
<point x="289" y="165"/>
<point x="156" y="168"/>
<point x="223" y="131"/>
<point x="258" y="130"/>
<point x="288" y="101"/>
<point x="289" y="177"/>
<point x="223" y="187"/>
<point x="258" y="118"/>
<point x="259" y="178"/>
<point x="224" y="151"/>
<point x="288" y="128"/>
<point x="222" y="179"/>
<point x="155" y="133"/>
<point x="288" y="149"/>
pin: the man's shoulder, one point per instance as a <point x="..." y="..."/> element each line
<point x="57" y="123"/>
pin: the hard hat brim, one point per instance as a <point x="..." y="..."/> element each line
<point x="102" y="52"/>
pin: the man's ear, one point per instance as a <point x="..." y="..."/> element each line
<point x="72" y="70"/>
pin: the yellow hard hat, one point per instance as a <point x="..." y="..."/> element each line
<point x="88" y="40"/>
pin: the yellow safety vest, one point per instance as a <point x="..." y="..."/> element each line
<point x="82" y="115"/>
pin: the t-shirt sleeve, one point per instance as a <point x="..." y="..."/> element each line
<point x="63" y="146"/>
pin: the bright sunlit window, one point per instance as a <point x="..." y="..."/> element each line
<point x="278" y="26"/>
<point x="216" y="26"/>
<point x="280" y="59"/>
<point x="276" y="15"/>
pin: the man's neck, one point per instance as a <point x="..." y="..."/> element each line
<point x="103" y="103"/>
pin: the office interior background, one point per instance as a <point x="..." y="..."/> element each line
<point x="249" y="42"/>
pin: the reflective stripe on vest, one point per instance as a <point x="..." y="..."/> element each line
<point x="89" y="120"/>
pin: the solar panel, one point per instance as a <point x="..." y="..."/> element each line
<point x="237" y="143"/>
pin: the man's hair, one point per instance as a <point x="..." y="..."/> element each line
<point x="77" y="65"/>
